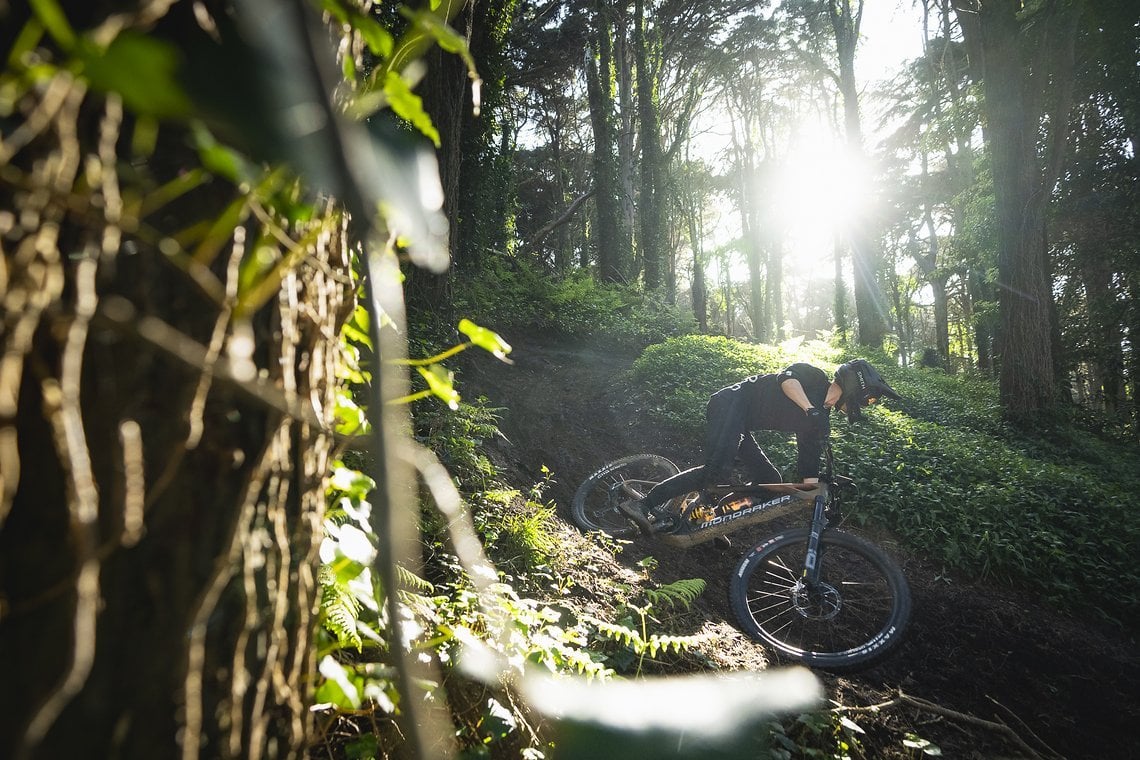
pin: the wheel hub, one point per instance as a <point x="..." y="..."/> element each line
<point x="819" y="602"/>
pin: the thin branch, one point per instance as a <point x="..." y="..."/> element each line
<point x="566" y="217"/>
<point x="959" y="717"/>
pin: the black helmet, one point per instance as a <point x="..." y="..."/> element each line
<point x="862" y="385"/>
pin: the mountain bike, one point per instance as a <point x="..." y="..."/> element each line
<point x="815" y="594"/>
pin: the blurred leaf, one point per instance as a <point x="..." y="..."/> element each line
<point x="440" y="383"/>
<point x="25" y="43"/>
<point x="351" y="419"/>
<point x="53" y="18"/>
<point x="221" y="159"/>
<point x="436" y="28"/>
<point x="142" y="70"/>
<point x="375" y="36"/>
<point x="385" y="170"/>
<point x="352" y="482"/>
<point x="356" y="328"/>
<point x="221" y="231"/>
<point x="485" y="339"/>
<point x="362" y="748"/>
<point x="702" y="717"/>
<point x="172" y="190"/>
<point x="338" y="689"/>
<point x="355" y="544"/>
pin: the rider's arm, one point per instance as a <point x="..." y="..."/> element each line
<point x="793" y="390"/>
<point x="807" y="446"/>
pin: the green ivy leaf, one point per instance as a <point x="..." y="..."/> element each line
<point x="376" y="37"/>
<point x="441" y="383"/>
<point x="351" y="419"/>
<point x="444" y="36"/>
<point x="338" y="689"/>
<point x="142" y="70"/>
<point x="409" y="106"/>
<point x="351" y="482"/>
<point x="356" y="328"/>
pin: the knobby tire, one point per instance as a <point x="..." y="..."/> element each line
<point x="856" y="618"/>
<point x="594" y="506"/>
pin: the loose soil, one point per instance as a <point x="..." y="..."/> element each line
<point x="977" y="656"/>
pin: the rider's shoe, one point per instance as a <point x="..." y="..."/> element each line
<point x="635" y="511"/>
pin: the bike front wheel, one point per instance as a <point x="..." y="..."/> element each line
<point x="595" y="504"/>
<point x="853" y="617"/>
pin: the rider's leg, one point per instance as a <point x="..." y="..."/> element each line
<point x="758" y="468"/>
<point x="722" y="437"/>
<point x="692" y="479"/>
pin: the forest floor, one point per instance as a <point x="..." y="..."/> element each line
<point x="978" y="657"/>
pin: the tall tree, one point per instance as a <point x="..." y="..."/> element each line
<point x="651" y="242"/>
<point x="1096" y="216"/>
<point x="846" y="18"/>
<point x="611" y="237"/>
<point x="1022" y="54"/>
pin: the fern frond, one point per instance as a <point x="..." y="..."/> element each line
<point x="620" y="633"/>
<point x="680" y="593"/>
<point x="339" y="611"/>
<point x="678" y="644"/>
<point x="410" y="580"/>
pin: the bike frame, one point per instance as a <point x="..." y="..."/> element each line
<point x="760" y="503"/>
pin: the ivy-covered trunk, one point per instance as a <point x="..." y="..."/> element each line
<point x="169" y="344"/>
<point x="610" y="236"/>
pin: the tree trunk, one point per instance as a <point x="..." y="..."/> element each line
<point x="842" y="325"/>
<point x="651" y="206"/>
<point x="1133" y="361"/>
<point x="936" y="278"/>
<point x="774" y="295"/>
<point x="627" y="109"/>
<point x="610" y="235"/>
<point x="869" y="304"/>
<point x="163" y="491"/>
<point x="984" y="320"/>
<point x="1027" y="378"/>
<point x="1106" y="320"/>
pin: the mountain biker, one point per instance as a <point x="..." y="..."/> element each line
<point x="796" y="400"/>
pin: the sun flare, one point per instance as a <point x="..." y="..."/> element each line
<point x="819" y="190"/>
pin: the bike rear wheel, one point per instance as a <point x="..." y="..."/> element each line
<point x="595" y="504"/>
<point x="854" y="617"/>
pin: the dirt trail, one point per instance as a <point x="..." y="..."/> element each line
<point x="1063" y="685"/>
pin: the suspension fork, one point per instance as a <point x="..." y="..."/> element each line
<point x="815" y="536"/>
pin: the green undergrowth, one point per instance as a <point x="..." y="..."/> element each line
<point x="1049" y="509"/>
<point x="939" y="469"/>
<point x="548" y="610"/>
<point x="518" y="298"/>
